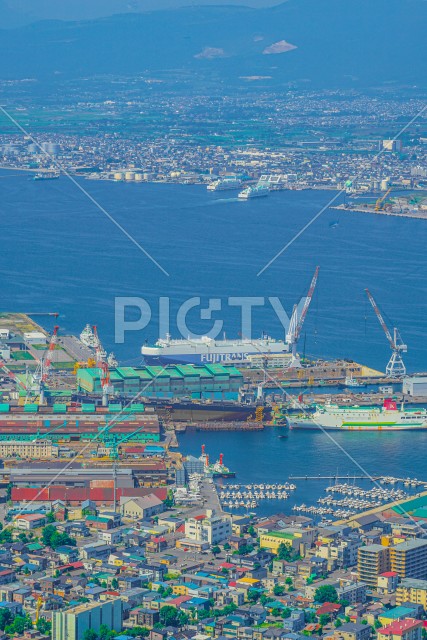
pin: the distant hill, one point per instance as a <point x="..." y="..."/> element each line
<point x="16" y="13"/>
<point x="317" y="42"/>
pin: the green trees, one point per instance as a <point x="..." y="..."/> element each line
<point x="115" y="583"/>
<point x="5" y="618"/>
<point x="170" y="616"/>
<point x="52" y="538"/>
<point x="216" y="550"/>
<point x="6" y="536"/>
<point x="326" y="593"/>
<point x="44" y="626"/>
<point x="286" y="553"/>
<point x="19" y="625"/>
<point x="90" y="634"/>
<point x="278" y="590"/>
<point x="253" y="595"/>
<point x="138" y="631"/>
<point x="243" y="550"/>
<point x="324" y="619"/>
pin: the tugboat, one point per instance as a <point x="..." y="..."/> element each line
<point x="218" y="469"/>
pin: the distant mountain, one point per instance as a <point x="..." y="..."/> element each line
<point x="318" y="42"/>
<point x="16" y="13"/>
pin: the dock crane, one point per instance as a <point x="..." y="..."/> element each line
<point x="395" y="367"/>
<point x="380" y="202"/>
<point x="35" y="382"/>
<point x="43" y="369"/>
<point x="102" y="364"/>
<point x="295" y="324"/>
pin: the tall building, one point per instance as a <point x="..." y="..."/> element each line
<point x="409" y="559"/>
<point x="372" y="561"/>
<point x="211" y="529"/>
<point x="71" y="624"/>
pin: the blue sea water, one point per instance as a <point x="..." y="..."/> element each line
<point x="60" y="253"/>
<point x="262" y="457"/>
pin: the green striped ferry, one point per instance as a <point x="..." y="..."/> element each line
<point x="389" y="417"/>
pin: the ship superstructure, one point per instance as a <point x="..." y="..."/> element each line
<point x="225" y="184"/>
<point x="258" y="191"/>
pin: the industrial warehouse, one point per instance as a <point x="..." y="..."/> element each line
<point x="205" y="381"/>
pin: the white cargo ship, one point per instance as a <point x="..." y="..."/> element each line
<point x="225" y="184"/>
<point x="258" y="191"/>
<point x="386" y="418"/>
<point x="206" y="350"/>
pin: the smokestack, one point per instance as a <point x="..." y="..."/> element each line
<point x="207" y="461"/>
<point x="203" y="449"/>
<point x="221" y="457"/>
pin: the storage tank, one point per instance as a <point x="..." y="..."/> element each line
<point x="129" y="175"/>
<point x="138" y="177"/>
<point x="118" y="176"/>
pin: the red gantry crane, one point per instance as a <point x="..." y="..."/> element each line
<point x="395" y="367"/>
<point x="102" y="364"/>
<point x="295" y="324"/>
<point x="43" y="369"/>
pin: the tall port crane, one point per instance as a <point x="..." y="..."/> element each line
<point x="102" y="364"/>
<point x="43" y="369"/>
<point x="395" y="367"/>
<point x="380" y="202"/>
<point x="295" y="324"/>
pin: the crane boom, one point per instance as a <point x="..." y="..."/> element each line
<point x="49" y="354"/>
<point x="102" y="364"/>
<point x="12" y="375"/>
<point x="306" y="304"/>
<point x="381" y="319"/>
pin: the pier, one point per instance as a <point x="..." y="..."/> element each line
<point x="335" y="477"/>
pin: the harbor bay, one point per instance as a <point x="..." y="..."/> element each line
<point x="69" y="254"/>
<point x="86" y="263"/>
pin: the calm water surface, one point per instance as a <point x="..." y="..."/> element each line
<point x="59" y="253"/>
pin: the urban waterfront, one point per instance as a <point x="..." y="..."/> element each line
<point x="263" y="457"/>
<point x="54" y="235"/>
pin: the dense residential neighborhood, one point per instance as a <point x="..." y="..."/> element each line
<point x="153" y="569"/>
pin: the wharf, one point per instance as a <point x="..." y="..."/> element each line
<point x="335" y="477"/>
<point x="353" y="520"/>
<point x="420" y="215"/>
<point x="351" y="399"/>
<point x="226" y="426"/>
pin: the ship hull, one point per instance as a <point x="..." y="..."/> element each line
<point x="313" y="426"/>
<point x="201" y="358"/>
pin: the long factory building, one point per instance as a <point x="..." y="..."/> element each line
<point x="217" y="381"/>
